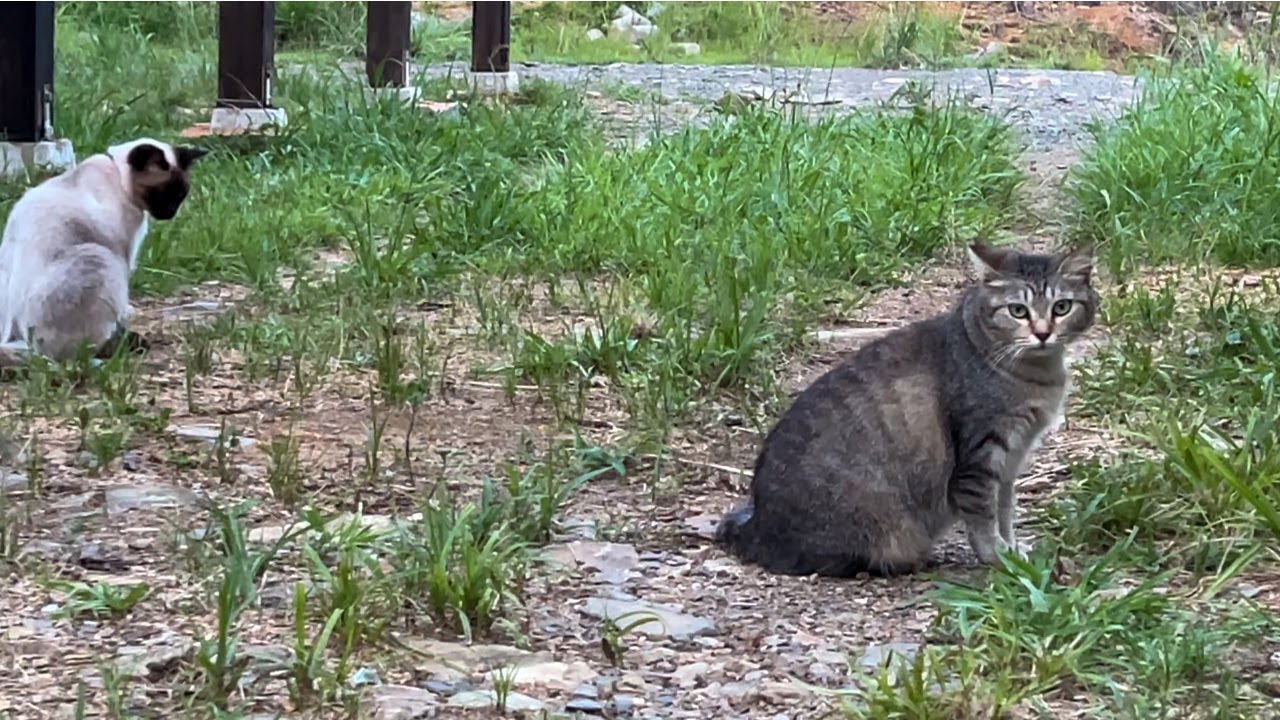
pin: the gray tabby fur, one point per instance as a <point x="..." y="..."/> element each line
<point x="929" y="425"/>
<point x="71" y="243"/>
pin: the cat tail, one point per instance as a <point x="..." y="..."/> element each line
<point x="729" y="531"/>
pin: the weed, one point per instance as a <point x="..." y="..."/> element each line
<point x="1190" y="173"/>
<point x="612" y="633"/>
<point x="459" y="567"/>
<point x="218" y="658"/>
<point x="284" y="471"/>
<point x="115" y="686"/>
<point x="98" y="599"/>
<point x="503" y="681"/>
<point x="308" y="672"/>
<point x="227" y="441"/>
<point x="14" y="519"/>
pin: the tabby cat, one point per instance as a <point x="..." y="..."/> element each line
<point x="927" y="425"/>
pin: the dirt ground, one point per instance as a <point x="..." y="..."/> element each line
<point x="737" y="642"/>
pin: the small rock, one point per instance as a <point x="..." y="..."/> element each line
<point x="588" y="690"/>
<point x="10" y="480"/>
<point x="736" y="690"/>
<point x="631" y="26"/>
<point x="703" y="525"/>
<point x="454" y="661"/>
<point x="821" y="672"/>
<point x="193" y="309"/>
<point x="440" y="687"/>
<point x="612" y="562"/>
<point x="877" y="655"/>
<point x="584" y="705"/>
<point x="662" y="621"/>
<point x="401" y="702"/>
<point x="781" y="693"/>
<point x="132" y="461"/>
<point x="687" y="676"/>
<point x="623" y="704"/>
<point x="830" y="657"/>
<point x="365" y="676"/>
<point x="595" y="34"/>
<point x="577" y="529"/>
<point x="489" y="699"/>
<point x="267" y="658"/>
<point x="148" y="497"/>
<point x="97" y="556"/>
<point x="687" y="48"/>
<point x="155" y="661"/>
<point x="210" y="434"/>
<point x="554" y="675"/>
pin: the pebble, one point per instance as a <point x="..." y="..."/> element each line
<point x="585" y="705"/>
<point x="516" y="702"/>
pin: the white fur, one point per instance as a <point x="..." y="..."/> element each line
<point x="68" y="249"/>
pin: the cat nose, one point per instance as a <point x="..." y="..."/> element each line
<point x="1042" y="336"/>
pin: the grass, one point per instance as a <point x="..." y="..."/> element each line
<point x="445" y="333"/>
<point x="1205" y="192"/>
<point x="741" y="33"/>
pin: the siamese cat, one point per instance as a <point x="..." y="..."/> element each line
<point x="72" y="242"/>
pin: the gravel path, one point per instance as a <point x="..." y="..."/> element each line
<point x="1052" y="107"/>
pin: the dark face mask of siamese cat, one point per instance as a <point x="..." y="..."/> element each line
<point x="158" y="185"/>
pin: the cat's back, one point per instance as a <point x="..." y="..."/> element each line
<point x="912" y="356"/>
<point x="885" y="399"/>
<point x="84" y="204"/>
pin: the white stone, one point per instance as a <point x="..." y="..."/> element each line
<point x="595" y="34"/>
<point x="232" y="120"/>
<point x="407" y="94"/>
<point x="489" y="699"/>
<point x="660" y="620"/>
<point x="19" y="158"/>
<point x="401" y="702"/>
<point x="687" y="48"/>
<point x="493" y="84"/>
<point x="545" y="673"/>
<point x="210" y="435"/>
<point x="631" y="25"/>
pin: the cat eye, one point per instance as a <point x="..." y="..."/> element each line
<point x="1018" y="311"/>
<point x="1062" y="307"/>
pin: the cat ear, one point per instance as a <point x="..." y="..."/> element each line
<point x="188" y="155"/>
<point x="988" y="262"/>
<point x="145" y="156"/>
<point x="1077" y="264"/>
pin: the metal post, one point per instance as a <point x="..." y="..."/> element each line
<point x="246" y="54"/>
<point x="387" y="43"/>
<point x="490" y="37"/>
<point x="26" y="72"/>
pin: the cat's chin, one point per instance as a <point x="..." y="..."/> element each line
<point x="1040" y="353"/>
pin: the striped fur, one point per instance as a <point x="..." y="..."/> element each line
<point x="924" y="427"/>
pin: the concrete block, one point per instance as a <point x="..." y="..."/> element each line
<point x="232" y="120"/>
<point x="492" y="84"/>
<point x="17" y="159"/>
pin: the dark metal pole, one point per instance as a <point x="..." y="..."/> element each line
<point x="246" y="53"/>
<point x="490" y="37"/>
<point x="26" y="71"/>
<point x="387" y="43"/>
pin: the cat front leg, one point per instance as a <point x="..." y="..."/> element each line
<point x="974" y="497"/>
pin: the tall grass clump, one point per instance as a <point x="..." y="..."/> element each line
<point x="1190" y="173"/>
<point x="721" y="230"/>
<point x="1203" y="492"/>
<point x="787" y="34"/>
